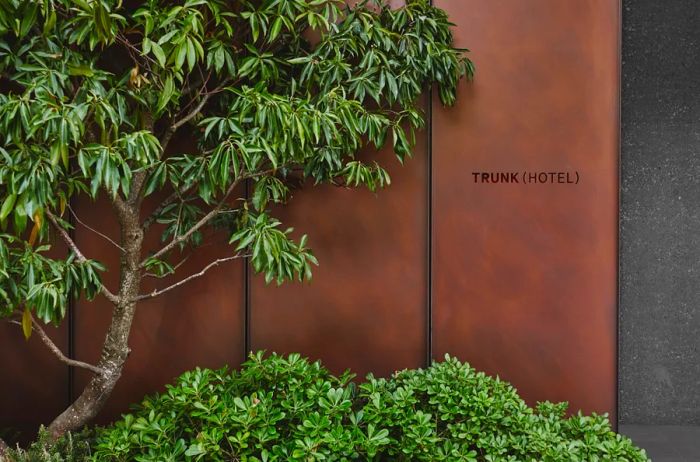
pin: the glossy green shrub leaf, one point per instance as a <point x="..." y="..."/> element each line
<point x="290" y="409"/>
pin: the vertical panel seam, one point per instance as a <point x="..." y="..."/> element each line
<point x="246" y="294"/>
<point x="71" y="320"/>
<point x="429" y="295"/>
<point x="71" y="311"/>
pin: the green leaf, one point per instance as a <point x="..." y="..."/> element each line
<point x="180" y="55"/>
<point x="191" y="54"/>
<point x="50" y="22"/>
<point x="81" y="70"/>
<point x="27" y="323"/>
<point x="166" y="94"/>
<point x="158" y="53"/>
<point x="7" y="206"/>
<point x="275" y="29"/>
<point x="195" y="450"/>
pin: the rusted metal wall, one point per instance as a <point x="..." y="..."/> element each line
<point x="366" y="306"/>
<point x="519" y="280"/>
<point x="524" y="275"/>
<point x="33" y="384"/>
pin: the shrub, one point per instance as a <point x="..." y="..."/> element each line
<point x="273" y="409"/>
<point x="283" y="409"/>
<point x="71" y="447"/>
<point x="280" y="409"/>
<point x="450" y="412"/>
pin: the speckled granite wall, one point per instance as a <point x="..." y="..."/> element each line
<point x="660" y="213"/>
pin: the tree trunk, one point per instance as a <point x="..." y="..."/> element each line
<point x="115" y="349"/>
<point x="114" y="353"/>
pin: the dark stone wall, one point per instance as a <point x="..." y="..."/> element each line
<point x="660" y="213"/>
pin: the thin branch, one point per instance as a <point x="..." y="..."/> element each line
<point x="104" y="236"/>
<point x="180" y="122"/>
<point x="156" y="293"/>
<point x="202" y="89"/>
<point x="192" y="114"/>
<point x="78" y="254"/>
<point x="57" y="351"/>
<point x="134" y="51"/>
<point x="203" y="221"/>
<point x="178" y="194"/>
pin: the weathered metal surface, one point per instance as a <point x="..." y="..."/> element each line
<point x="33" y="382"/>
<point x="365" y="308"/>
<point x="524" y="275"/>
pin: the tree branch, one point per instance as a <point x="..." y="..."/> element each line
<point x="192" y="114"/>
<point x="203" y="221"/>
<point x="78" y="254"/>
<point x="189" y="278"/>
<point x="119" y="204"/>
<point x="57" y="351"/>
<point x="134" y="51"/>
<point x="104" y="236"/>
<point x="176" y="194"/>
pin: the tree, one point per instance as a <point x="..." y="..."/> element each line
<point x="93" y="91"/>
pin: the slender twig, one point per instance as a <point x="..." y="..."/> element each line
<point x="131" y="49"/>
<point x="202" y="90"/>
<point x="104" y="236"/>
<point x="78" y="254"/>
<point x="178" y="194"/>
<point x="57" y="351"/>
<point x="201" y="273"/>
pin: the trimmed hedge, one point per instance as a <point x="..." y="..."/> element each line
<point x="290" y="409"/>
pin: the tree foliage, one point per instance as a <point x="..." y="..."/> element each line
<point x="93" y="91"/>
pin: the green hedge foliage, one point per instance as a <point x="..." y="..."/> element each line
<point x="290" y="409"/>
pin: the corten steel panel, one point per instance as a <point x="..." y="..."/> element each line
<point x="197" y="324"/>
<point x="365" y="307"/>
<point x="33" y="382"/>
<point x="524" y="276"/>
